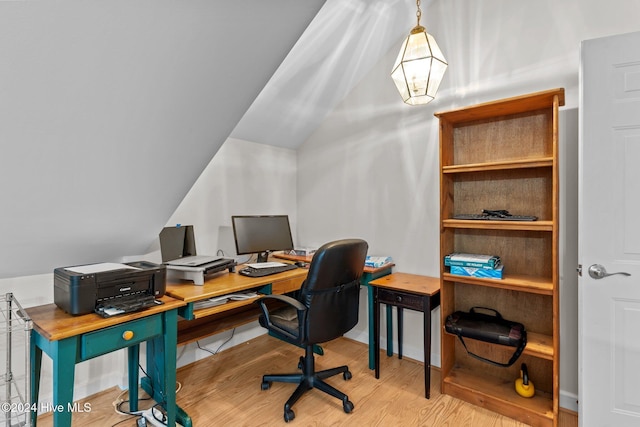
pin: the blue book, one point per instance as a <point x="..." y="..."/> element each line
<point x="485" y="273"/>
<point x="472" y="260"/>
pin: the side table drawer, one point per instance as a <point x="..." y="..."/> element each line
<point x="120" y="336"/>
<point x="401" y="299"/>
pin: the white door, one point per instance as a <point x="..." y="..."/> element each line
<point x="609" y="232"/>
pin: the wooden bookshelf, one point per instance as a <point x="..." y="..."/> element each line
<point x="503" y="155"/>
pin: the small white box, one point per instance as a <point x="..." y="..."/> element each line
<point x="304" y="251"/>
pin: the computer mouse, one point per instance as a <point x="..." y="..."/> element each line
<point x="301" y="264"/>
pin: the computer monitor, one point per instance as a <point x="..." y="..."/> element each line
<point x="261" y="234"/>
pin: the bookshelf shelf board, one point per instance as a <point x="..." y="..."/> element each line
<point x="498" y="225"/>
<point x="538" y="345"/>
<point x="504" y="107"/>
<point x="502" y="165"/>
<point x="494" y="394"/>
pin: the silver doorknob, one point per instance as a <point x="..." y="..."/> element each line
<point x="598" y="271"/>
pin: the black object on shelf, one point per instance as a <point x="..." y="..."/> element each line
<point x="492" y="328"/>
<point x="496" y="215"/>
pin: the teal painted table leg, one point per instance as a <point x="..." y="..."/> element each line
<point x="389" y="330"/>
<point x="63" y="354"/>
<point x="161" y="368"/>
<point x="36" y="364"/>
<point x="170" y="339"/>
<point x="366" y="278"/>
<point x="64" y="358"/>
<point x="133" y="359"/>
<point x="372" y="358"/>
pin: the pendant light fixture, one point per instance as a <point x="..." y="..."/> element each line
<point x="420" y="66"/>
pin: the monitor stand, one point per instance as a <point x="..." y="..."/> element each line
<point x="263" y="256"/>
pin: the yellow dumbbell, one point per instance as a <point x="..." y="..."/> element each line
<point x="524" y="387"/>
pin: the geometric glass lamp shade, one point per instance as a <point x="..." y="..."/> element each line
<point x="420" y="67"/>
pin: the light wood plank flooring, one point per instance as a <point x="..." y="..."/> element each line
<point x="224" y="390"/>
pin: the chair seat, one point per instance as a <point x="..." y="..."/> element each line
<point x="285" y="318"/>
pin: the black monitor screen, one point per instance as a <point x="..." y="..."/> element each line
<point x="261" y="234"/>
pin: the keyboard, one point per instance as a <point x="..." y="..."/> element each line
<point x="261" y="272"/>
<point x="123" y="305"/>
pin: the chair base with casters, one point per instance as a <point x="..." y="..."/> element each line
<point x="308" y="380"/>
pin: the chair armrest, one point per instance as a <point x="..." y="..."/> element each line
<point x="292" y="302"/>
<point x="284" y="298"/>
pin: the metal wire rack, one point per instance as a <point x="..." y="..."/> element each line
<point x="15" y="369"/>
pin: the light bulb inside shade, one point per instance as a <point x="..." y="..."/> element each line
<point x="419" y="68"/>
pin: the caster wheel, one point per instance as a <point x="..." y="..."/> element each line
<point x="289" y="415"/>
<point x="347" y="406"/>
<point x="266" y="385"/>
<point x="346" y="375"/>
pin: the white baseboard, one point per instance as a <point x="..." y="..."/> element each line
<point x="568" y="401"/>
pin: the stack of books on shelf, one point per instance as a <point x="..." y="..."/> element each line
<point x="474" y="265"/>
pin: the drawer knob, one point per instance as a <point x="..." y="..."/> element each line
<point x="127" y="335"/>
<point x="399" y="298"/>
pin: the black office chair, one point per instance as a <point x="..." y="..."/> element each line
<point x="326" y="308"/>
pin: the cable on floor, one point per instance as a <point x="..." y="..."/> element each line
<point x="233" y="331"/>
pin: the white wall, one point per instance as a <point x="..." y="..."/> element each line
<point x="243" y="178"/>
<point x="371" y="169"/>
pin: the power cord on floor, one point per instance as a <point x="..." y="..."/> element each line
<point x="184" y="349"/>
<point x="233" y="331"/>
<point x="119" y="401"/>
<point x="178" y="384"/>
<point x="126" y="419"/>
<point x="117" y="404"/>
<point x="157" y="408"/>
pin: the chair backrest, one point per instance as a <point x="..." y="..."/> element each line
<point x="332" y="289"/>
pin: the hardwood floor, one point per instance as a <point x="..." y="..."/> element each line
<point x="224" y="390"/>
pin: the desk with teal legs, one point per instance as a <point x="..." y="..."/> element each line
<point x="69" y="340"/>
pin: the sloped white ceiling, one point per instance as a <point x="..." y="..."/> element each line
<point x="345" y="40"/>
<point x="110" y="110"/>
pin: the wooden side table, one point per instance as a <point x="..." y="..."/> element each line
<point x="415" y="292"/>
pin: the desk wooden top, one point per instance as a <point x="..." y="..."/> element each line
<point x="423" y="285"/>
<point x="54" y="324"/>
<point x="308" y="258"/>
<point x="224" y="283"/>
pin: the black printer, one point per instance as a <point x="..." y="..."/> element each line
<point x="108" y="288"/>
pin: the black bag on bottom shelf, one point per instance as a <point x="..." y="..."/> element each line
<point x="492" y="328"/>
